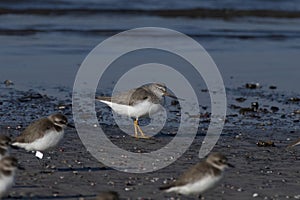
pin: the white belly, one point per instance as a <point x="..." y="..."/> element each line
<point x="196" y="188"/>
<point x="5" y="183"/>
<point x="51" y="139"/>
<point x="138" y="110"/>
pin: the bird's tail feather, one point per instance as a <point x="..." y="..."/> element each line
<point x="13" y="145"/>
<point x="165" y="187"/>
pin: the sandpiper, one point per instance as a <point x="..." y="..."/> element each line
<point x="4" y="146"/>
<point x="8" y="166"/>
<point x="138" y="102"/>
<point x="200" y="177"/>
<point x="110" y="195"/>
<point x="42" y="134"/>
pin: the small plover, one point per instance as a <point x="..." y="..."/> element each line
<point x="200" y="177"/>
<point x="138" y="102"/>
<point x="8" y="166"/>
<point x="4" y="146"/>
<point x="42" y="134"/>
<point x="110" y="195"/>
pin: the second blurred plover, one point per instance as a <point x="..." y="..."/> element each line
<point x="4" y="146"/>
<point x="200" y="177"/>
<point x="8" y="166"/>
<point x="109" y="195"/>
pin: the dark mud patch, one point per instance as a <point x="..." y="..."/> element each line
<point x="71" y="172"/>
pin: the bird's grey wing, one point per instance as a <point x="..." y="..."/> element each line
<point x="35" y="130"/>
<point x="191" y="175"/>
<point x="131" y="97"/>
<point x="140" y="94"/>
<point x="198" y="171"/>
<point x="121" y="98"/>
<point x="103" y="98"/>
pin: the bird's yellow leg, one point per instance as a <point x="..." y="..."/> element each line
<point x="140" y="130"/>
<point x="135" y="123"/>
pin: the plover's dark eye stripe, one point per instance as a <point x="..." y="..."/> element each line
<point x="61" y="121"/>
<point x="162" y="89"/>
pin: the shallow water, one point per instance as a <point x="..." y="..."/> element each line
<point x="45" y="50"/>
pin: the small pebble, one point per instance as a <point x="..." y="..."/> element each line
<point x="294" y="99"/>
<point x="255" y="195"/>
<point x="297" y="112"/>
<point x="252" y="85"/>
<point x="61" y="107"/>
<point x="92" y="184"/>
<point x="8" y="82"/>
<point x="128" y="189"/>
<point x="265" y="144"/>
<point x="240" y="99"/>
<point x="297" y="196"/>
<point x="274" y="109"/>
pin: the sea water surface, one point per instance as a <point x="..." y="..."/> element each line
<point x="43" y="43"/>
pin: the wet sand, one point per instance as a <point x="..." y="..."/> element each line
<point x="72" y="173"/>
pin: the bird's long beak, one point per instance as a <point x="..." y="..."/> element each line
<point x="172" y="96"/>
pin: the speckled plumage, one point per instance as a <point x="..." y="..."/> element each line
<point x="199" y="177"/>
<point x="50" y="129"/>
<point x="8" y="166"/>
